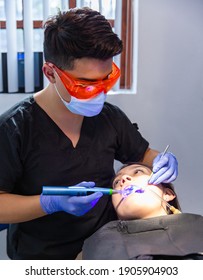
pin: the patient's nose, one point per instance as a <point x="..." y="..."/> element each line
<point x="125" y="178"/>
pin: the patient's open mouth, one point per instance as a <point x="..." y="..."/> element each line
<point x="131" y="189"/>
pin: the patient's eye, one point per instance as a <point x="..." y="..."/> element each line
<point x="139" y="171"/>
<point x="116" y="183"/>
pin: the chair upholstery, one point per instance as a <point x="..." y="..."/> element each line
<point x="3" y="226"/>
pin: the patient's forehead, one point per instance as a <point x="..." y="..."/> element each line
<point x="130" y="168"/>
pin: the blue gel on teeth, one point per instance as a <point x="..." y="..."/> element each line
<point x="131" y="189"/>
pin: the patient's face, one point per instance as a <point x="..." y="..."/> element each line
<point x="138" y="204"/>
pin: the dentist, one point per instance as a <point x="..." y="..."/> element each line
<point x="67" y="134"/>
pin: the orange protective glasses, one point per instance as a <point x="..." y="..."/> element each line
<point x="83" y="89"/>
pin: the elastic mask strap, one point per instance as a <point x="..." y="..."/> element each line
<point x="59" y="94"/>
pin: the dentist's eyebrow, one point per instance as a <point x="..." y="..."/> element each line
<point x="94" y="80"/>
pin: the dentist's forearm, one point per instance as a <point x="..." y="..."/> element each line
<point x="149" y="156"/>
<point x="17" y="208"/>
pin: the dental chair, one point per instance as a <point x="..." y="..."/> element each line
<point x="3" y="234"/>
<point x="3" y="226"/>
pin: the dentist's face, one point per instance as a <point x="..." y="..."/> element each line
<point x="137" y="205"/>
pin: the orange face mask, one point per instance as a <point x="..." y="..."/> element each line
<point x="83" y="89"/>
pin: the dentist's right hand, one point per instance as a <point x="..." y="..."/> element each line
<point x="75" y="205"/>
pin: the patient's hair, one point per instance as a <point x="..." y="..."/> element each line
<point x="173" y="202"/>
<point x="78" y="33"/>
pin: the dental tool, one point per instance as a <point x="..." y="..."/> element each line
<point x="163" y="154"/>
<point x="172" y="208"/>
<point x="77" y="190"/>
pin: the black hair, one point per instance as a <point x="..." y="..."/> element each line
<point x="78" y="33"/>
<point x="170" y="186"/>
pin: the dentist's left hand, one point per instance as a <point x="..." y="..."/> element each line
<point x="165" y="169"/>
<point x="75" y="205"/>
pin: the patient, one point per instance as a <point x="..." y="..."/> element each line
<point x="147" y="228"/>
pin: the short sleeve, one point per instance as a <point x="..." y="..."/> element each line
<point x="131" y="144"/>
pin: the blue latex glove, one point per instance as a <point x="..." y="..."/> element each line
<point x="75" y="205"/>
<point x="165" y="169"/>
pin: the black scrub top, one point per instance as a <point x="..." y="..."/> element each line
<point x="34" y="152"/>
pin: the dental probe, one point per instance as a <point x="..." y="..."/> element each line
<point x="76" y="191"/>
<point x="163" y="154"/>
